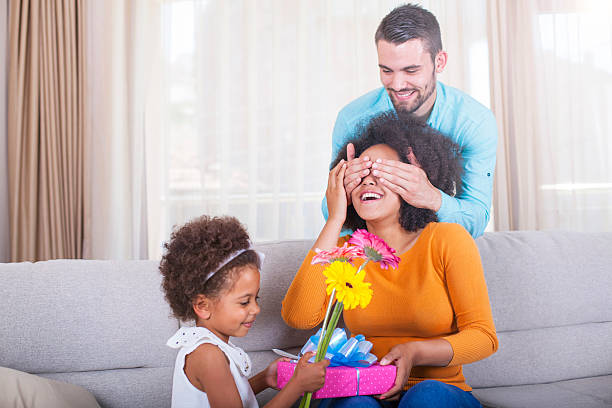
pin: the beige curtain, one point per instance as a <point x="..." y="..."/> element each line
<point x="4" y="202"/>
<point x="551" y="82"/>
<point x="45" y="129"/>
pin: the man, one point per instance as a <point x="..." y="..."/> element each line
<point x="410" y="55"/>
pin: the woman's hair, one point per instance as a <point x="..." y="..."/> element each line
<point x="196" y="249"/>
<point x="437" y="155"/>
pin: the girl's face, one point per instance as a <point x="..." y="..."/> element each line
<point x="234" y="311"/>
<point x="372" y="200"/>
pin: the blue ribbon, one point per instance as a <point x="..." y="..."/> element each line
<point x="342" y="351"/>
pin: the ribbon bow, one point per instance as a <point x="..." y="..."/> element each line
<point x="342" y="351"/>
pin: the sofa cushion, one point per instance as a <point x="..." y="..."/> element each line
<point x="549" y="293"/>
<point x="594" y="392"/>
<point x="547" y="279"/>
<point x="545" y="355"/>
<point x="74" y="315"/>
<point x="126" y="388"/>
<point x="23" y="390"/>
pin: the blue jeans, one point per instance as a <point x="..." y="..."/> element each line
<point x="429" y="393"/>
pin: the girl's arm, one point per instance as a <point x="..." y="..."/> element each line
<point x="207" y="368"/>
<point x="266" y="378"/>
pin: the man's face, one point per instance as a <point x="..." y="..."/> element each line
<point x="409" y="74"/>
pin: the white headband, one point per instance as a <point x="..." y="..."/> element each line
<point x="232" y="256"/>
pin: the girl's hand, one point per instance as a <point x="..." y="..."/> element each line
<point x="401" y="357"/>
<point x="271" y="372"/>
<point x="337" y="202"/>
<point x="309" y="377"/>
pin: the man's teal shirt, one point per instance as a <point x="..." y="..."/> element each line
<point x="466" y="122"/>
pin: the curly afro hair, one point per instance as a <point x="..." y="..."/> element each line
<point x="437" y="155"/>
<point x="196" y="249"/>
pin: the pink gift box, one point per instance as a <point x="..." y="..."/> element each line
<point x="346" y="381"/>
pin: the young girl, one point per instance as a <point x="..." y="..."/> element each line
<point x="432" y="314"/>
<point x="211" y="275"/>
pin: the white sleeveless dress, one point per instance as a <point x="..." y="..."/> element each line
<point x="185" y="394"/>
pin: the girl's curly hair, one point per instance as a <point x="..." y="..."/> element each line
<point x="437" y="155"/>
<point x="196" y="249"/>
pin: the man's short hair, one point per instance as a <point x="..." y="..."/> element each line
<point x="408" y="22"/>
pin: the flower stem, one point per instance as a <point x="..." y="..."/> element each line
<point x="362" y="266"/>
<point x="305" y="402"/>
<point x="323" y="345"/>
<point x="324" y="327"/>
<point x="333" y="322"/>
<point x="329" y="325"/>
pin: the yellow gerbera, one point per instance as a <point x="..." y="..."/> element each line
<point x="350" y="287"/>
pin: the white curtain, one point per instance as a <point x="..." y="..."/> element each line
<point x="226" y="107"/>
<point x="552" y="86"/>
<point x="249" y="95"/>
<point x="123" y="41"/>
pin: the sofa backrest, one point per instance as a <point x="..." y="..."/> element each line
<point x="550" y="293"/>
<point x="551" y="296"/>
<point x="71" y="315"/>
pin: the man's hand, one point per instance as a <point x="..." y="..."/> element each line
<point x="409" y="181"/>
<point x="401" y="357"/>
<point x="357" y="169"/>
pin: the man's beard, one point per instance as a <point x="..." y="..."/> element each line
<point x="429" y="89"/>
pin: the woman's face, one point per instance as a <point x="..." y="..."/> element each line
<point x="372" y="200"/>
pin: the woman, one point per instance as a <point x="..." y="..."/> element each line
<point x="432" y="314"/>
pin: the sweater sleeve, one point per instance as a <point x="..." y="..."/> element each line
<point x="305" y="302"/>
<point x="476" y="337"/>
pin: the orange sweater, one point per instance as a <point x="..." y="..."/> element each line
<point x="438" y="291"/>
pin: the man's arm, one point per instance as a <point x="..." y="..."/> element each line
<point x="471" y="208"/>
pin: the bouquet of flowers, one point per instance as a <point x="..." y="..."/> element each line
<point x="345" y="283"/>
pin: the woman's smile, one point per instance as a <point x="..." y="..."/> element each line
<point x="369" y="196"/>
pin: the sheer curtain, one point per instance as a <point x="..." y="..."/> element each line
<point x="123" y="41"/>
<point x="249" y="95"/>
<point x="552" y="85"/>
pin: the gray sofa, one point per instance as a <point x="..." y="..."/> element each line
<point x="103" y="324"/>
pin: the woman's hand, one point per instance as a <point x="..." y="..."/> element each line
<point x="402" y="357"/>
<point x="337" y="202"/>
<point x="337" y="205"/>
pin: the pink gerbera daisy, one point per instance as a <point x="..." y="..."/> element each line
<point x="374" y="248"/>
<point x="345" y="253"/>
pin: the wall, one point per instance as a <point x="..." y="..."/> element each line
<point x="4" y="210"/>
